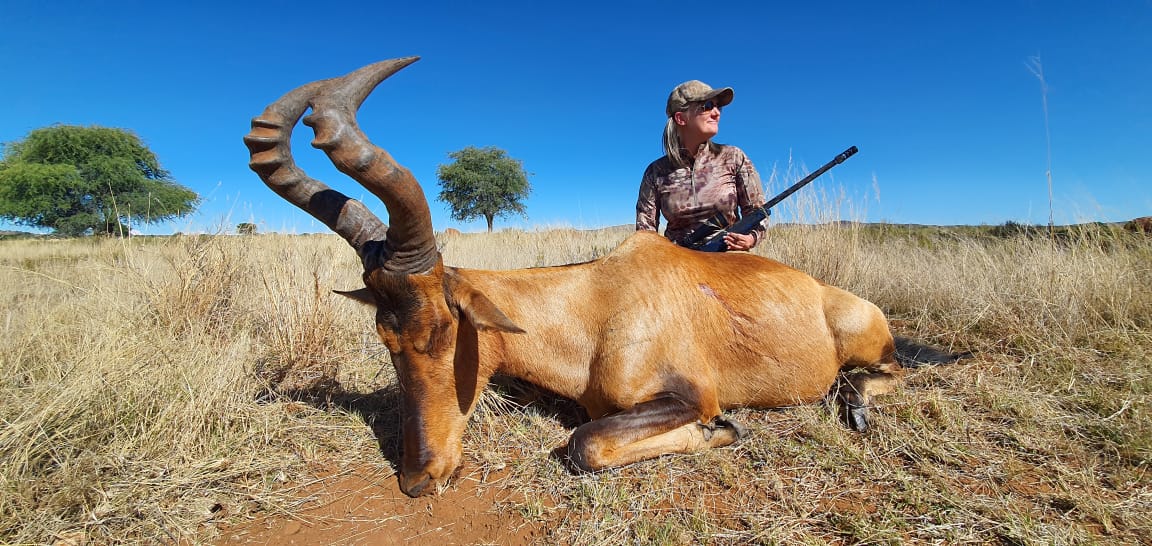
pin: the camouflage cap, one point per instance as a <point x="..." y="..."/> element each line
<point x="696" y="91"/>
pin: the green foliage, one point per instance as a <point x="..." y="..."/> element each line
<point x="1014" y="229"/>
<point x="77" y="180"/>
<point x="483" y="182"/>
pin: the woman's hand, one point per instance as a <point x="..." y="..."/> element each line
<point x="738" y="241"/>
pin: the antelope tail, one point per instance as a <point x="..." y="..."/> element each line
<point x="912" y="354"/>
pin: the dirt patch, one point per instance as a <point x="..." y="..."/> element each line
<point x="364" y="506"/>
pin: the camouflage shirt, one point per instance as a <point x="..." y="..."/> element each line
<point x="721" y="179"/>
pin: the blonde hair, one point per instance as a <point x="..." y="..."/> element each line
<point x="672" y="143"/>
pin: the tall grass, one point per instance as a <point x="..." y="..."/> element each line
<point x="151" y="389"/>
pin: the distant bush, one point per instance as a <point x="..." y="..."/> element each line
<point x="1014" y="229"/>
<point x="1142" y="224"/>
<point x="10" y="235"/>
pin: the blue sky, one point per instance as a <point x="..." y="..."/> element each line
<point x="938" y="96"/>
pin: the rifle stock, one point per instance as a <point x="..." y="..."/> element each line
<point x="709" y="237"/>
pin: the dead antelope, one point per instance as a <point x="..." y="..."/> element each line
<point x="653" y="340"/>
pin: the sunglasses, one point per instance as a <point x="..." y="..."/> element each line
<point x="708" y="105"/>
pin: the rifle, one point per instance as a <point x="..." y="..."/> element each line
<point x="709" y="237"/>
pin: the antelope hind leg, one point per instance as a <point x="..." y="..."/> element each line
<point x="856" y="393"/>
<point x="668" y="424"/>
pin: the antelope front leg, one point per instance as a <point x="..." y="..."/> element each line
<point x="668" y="424"/>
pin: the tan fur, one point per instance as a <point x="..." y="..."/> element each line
<point x="604" y="333"/>
<point x="740" y="329"/>
<point x="688" y="438"/>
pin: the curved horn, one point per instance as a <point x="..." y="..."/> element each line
<point x="270" y="145"/>
<point x="409" y="246"/>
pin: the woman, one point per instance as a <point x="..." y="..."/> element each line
<point x="697" y="178"/>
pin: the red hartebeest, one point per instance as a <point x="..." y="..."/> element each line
<point x="653" y="340"/>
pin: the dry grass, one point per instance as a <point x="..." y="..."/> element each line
<point x="152" y="387"/>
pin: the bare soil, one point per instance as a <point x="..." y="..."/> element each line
<point x="364" y="506"/>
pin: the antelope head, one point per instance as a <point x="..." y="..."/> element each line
<point x="427" y="315"/>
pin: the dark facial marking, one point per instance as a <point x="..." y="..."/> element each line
<point x="396" y="299"/>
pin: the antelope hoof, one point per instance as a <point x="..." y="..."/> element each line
<point x="858" y="418"/>
<point x="735" y="429"/>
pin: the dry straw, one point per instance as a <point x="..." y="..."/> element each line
<point x="151" y="389"/>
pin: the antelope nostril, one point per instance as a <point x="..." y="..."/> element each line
<point x="416" y="489"/>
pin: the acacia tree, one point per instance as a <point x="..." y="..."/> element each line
<point x="78" y="180"/>
<point x="483" y="182"/>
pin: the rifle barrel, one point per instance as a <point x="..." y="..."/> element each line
<point x="815" y="174"/>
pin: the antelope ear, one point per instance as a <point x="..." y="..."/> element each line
<point x="480" y="311"/>
<point x="484" y="315"/>
<point x="362" y="295"/>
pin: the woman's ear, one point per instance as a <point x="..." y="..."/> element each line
<point x="680" y="118"/>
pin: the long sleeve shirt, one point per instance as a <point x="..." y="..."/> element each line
<point x="720" y="180"/>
